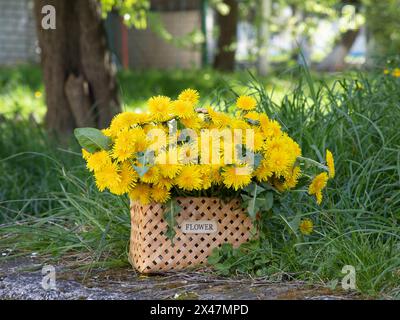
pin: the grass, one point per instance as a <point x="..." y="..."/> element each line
<point x="49" y="204"/>
<point x="22" y="91"/>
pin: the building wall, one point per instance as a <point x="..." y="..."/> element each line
<point x="18" y="41"/>
<point x="146" y="50"/>
<point x="17" y="32"/>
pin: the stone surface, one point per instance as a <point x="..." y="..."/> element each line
<point x="22" y="279"/>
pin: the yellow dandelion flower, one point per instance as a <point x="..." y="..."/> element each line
<point x="183" y="109"/>
<point x="220" y="119"/>
<point x="306" y="226"/>
<point x="152" y="175"/>
<point x="107" y="177"/>
<point x="129" y="119"/>
<point x="271" y="128"/>
<point x="155" y="126"/>
<point x="263" y="172"/>
<point x="189" y="178"/>
<point x="264" y="120"/>
<point x="246" y="103"/>
<point x="318" y="196"/>
<point x="85" y="155"/>
<point x="128" y="178"/>
<point x="124" y="146"/>
<point x="156" y="141"/>
<point x="396" y="72"/>
<point x="331" y="164"/>
<point x="317" y="185"/>
<point x="216" y="176"/>
<point x="239" y="124"/>
<point x="98" y="160"/>
<point x="274" y="144"/>
<point x="210" y="150"/>
<point x="138" y="134"/>
<point x="252" y="115"/>
<point x="160" y="108"/>
<point x="123" y="121"/>
<point x="141" y="141"/>
<point x="292" y="148"/>
<point x="107" y="132"/>
<point x="166" y="183"/>
<point x="142" y="117"/>
<point x="236" y="177"/>
<point x="160" y="194"/>
<point x="169" y="170"/>
<point x="189" y="95"/>
<point x="292" y="178"/>
<point x="38" y="94"/>
<point x="141" y="193"/>
<point x="386" y="71"/>
<point x="279" y="162"/>
<point x="283" y="144"/>
<point x="194" y="122"/>
<point x="258" y="142"/>
<point x="210" y="175"/>
<point x="188" y="154"/>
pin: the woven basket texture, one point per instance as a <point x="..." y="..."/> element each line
<point x="151" y="251"/>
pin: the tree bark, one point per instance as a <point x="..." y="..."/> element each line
<point x="79" y="79"/>
<point x="264" y="35"/>
<point x="227" y="24"/>
<point x="334" y="61"/>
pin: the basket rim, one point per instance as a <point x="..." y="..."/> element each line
<point x="191" y="197"/>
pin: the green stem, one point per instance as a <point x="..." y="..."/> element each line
<point x="319" y="165"/>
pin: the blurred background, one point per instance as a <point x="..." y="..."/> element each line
<point x="161" y="47"/>
<point x="227" y="35"/>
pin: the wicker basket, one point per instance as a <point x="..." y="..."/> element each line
<point x="202" y="225"/>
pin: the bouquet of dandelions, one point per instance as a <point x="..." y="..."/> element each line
<point x="175" y="149"/>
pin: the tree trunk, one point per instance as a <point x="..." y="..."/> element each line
<point x="77" y="71"/>
<point x="227" y="24"/>
<point x="335" y="60"/>
<point x="264" y="35"/>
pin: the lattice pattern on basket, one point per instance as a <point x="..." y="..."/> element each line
<point x="152" y="251"/>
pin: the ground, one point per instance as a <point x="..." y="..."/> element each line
<point x="21" y="278"/>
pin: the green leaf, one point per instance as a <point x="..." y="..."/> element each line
<point x="92" y="139"/>
<point x="256" y="199"/>
<point x="268" y="201"/>
<point x="294" y="224"/>
<point x="254" y="188"/>
<point x="145" y="158"/>
<point x="332" y="284"/>
<point x="180" y="126"/>
<point x="171" y="211"/>
<point x="257" y="160"/>
<point x="253" y="122"/>
<point x="141" y="171"/>
<point x="254" y="204"/>
<point x="214" y="258"/>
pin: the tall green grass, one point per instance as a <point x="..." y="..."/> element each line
<point x="358" y="222"/>
<point x="49" y="203"/>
